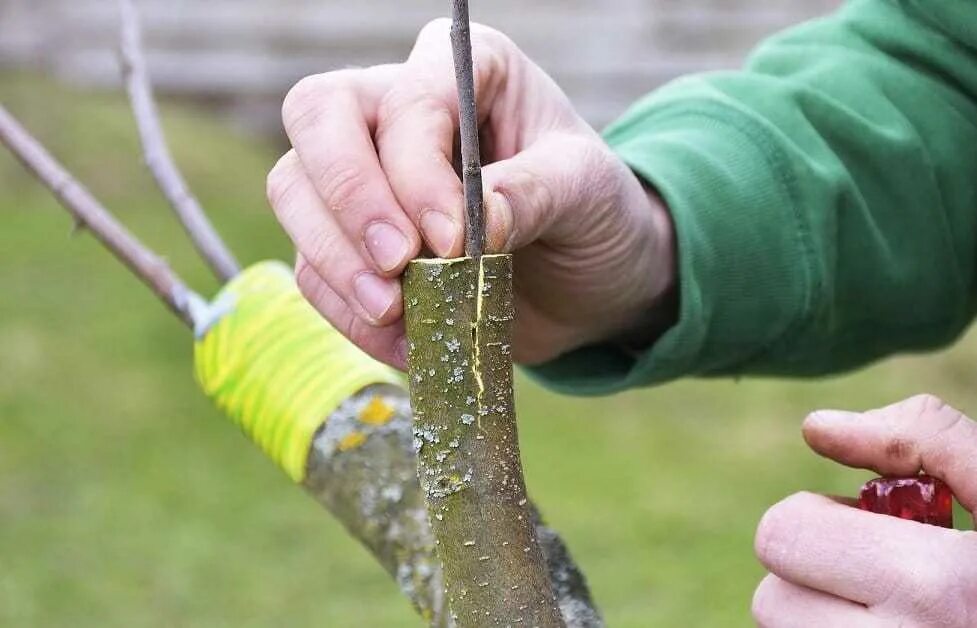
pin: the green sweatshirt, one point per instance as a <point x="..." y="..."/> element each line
<point x="824" y="200"/>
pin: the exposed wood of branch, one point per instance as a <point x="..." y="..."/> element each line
<point x="157" y="155"/>
<point x="90" y="214"/>
<point x="458" y="316"/>
<point x="471" y="166"/>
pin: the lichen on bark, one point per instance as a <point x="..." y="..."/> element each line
<point x="362" y="467"/>
<point x="459" y="315"/>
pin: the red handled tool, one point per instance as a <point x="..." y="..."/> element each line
<point x="922" y="498"/>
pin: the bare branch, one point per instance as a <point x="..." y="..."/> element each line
<point x="90" y="214"/>
<point x="157" y="155"/>
<point x="471" y="166"/>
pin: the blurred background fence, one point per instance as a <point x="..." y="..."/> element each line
<point x="242" y="55"/>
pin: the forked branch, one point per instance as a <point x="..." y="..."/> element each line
<point x="90" y="214"/>
<point x="157" y="155"/>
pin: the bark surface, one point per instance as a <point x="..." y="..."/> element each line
<point x="362" y="467"/>
<point x="459" y="315"/>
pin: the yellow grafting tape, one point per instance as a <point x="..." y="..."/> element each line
<point x="274" y="366"/>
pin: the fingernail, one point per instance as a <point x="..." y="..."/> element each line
<point x="375" y="295"/>
<point x="440" y="231"/>
<point x="387" y="245"/>
<point x="499" y="223"/>
<point x="830" y="418"/>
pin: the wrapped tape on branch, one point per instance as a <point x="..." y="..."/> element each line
<point x="274" y="366"/>
<point x="331" y="417"/>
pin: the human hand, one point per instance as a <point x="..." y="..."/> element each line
<point x="834" y="565"/>
<point x="369" y="183"/>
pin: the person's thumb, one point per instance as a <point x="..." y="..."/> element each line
<point x="921" y="433"/>
<point x="557" y="189"/>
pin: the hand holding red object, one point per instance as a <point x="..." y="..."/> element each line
<point x="920" y="498"/>
<point x="834" y="565"/>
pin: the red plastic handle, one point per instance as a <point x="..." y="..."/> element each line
<point x="922" y="498"/>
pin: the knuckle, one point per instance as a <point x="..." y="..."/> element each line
<point x="278" y="182"/>
<point x="926" y="404"/>
<point x="493" y="53"/>
<point x="346" y="325"/>
<point x="437" y="28"/>
<point x="491" y="49"/>
<point x="339" y="183"/>
<point x="308" y="282"/>
<point x="299" y="102"/>
<point x="321" y="251"/>
<point x="354" y="328"/>
<point x="768" y="535"/>
<point x="922" y="418"/>
<point x="307" y="101"/>
<point x="417" y="98"/>
<point x="774" y="536"/>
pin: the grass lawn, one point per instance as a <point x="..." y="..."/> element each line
<point x="127" y="500"/>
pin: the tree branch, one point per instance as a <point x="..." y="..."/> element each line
<point x="458" y="316"/>
<point x="90" y="214"/>
<point x="373" y="490"/>
<point x="471" y="166"/>
<point x="157" y="156"/>
<point x="361" y="456"/>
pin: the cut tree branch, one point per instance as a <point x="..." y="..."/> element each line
<point x="471" y="166"/>
<point x="458" y="317"/>
<point x="90" y="214"/>
<point x="156" y="153"/>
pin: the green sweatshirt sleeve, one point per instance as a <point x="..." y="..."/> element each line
<point x="824" y="200"/>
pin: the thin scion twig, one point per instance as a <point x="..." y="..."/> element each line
<point x="158" y="159"/>
<point x="461" y="46"/>
<point x="90" y="214"/>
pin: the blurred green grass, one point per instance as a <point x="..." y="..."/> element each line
<point x="127" y="500"/>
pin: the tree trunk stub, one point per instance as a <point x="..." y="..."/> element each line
<point x="459" y="315"/>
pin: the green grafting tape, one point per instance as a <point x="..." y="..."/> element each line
<point x="276" y="367"/>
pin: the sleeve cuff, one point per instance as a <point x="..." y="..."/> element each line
<point x="746" y="275"/>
